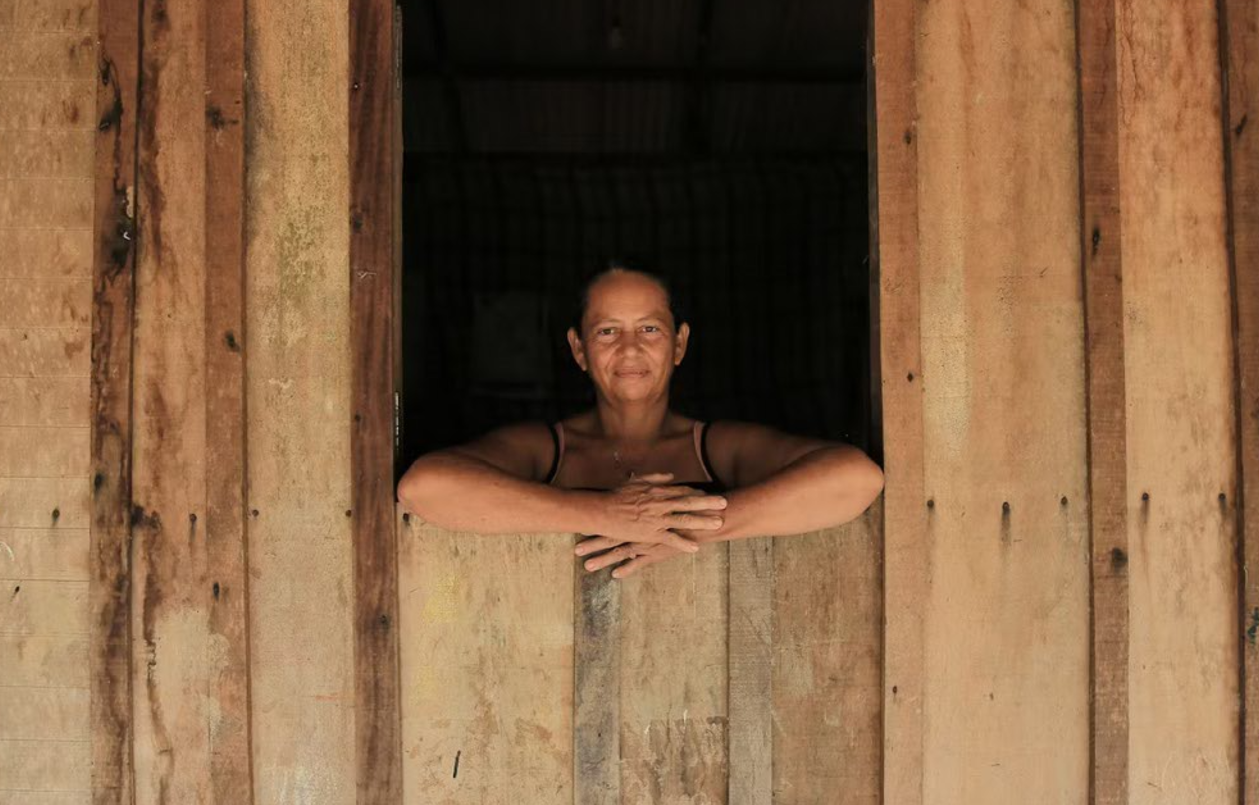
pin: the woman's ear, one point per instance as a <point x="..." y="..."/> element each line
<point x="579" y="351"/>
<point x="680" y="341"/>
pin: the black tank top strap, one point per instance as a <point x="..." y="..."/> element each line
<point x="703" y="456"/>
<point x="555" y="456"/>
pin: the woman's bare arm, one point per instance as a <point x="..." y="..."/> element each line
<point x="493" y="486"/>
<point x="789" y="484"/>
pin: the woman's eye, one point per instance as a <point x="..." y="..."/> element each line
<point x="651" y="328"/>
<point x="606" y="331"/>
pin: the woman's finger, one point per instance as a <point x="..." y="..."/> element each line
<point x="589" y="546"/>
<point x="653" y="477"/>
<point x="636" y="564"/>
<point x="679" y="542"/>
<point x="700" y="502"/>
<point x="696" y="522"/>
<point x="610" y="558"/>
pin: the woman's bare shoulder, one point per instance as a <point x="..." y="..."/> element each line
<point x="524" y="449"/>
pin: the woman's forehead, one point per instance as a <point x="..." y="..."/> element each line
<point x="627" y="296"/>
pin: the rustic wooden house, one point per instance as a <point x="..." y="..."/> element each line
<point x="211" y="595"/>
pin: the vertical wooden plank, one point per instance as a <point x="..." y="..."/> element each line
<point x="173" y="642"/>
<point x="596" y="688"/>
<point x="1239" y="37"/>
<point x="751" y="642"/>
<point x="486" y="635"/>
<point x="1181" y="424"/>
<point x="113" y="270"/>
<point x="894" y="267"/>
<point x="674" y="680"/>
<point x="225" y="400"/>
<point x="372" y="334"/>
<point x="1004" y="435"/>
<point x="1101" y="265"/>
<point x="298" y="395"/>
<point x="827" y="691"/>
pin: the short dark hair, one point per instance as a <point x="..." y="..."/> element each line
<point x="619" y="264"/>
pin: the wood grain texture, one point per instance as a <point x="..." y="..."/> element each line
<point x="1101" y="264"/>
<point x="298" y="397"/>
<point x="226" y="522"/>
<point x="1004" y="436"/>
<point x="827" y="687"/>
<point x="486" y="635"/>
<point x="47" y="79"/>
<point x="1239" y="29"/>
<point x="373" y="185"/>
<point x="596" y="688"/>
<point x="1181" y="423"/>
<point x="174" y="649"/>
<point x="895" y="271"/>
<point x="673" y="687"/>
<point x="751" y="642"/>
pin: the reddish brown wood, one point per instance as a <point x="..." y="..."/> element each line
<point x="1239" y="56"/>
<point x="226" y="524"/>
<point x="113" y="271"/>
<point x="372" y="337"/>
<point x="1102" y="266"/>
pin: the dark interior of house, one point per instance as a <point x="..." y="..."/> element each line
<point x="722" y="145"/>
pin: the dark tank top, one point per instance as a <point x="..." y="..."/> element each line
<point x="713" y="486"/>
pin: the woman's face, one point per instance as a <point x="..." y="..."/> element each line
<point x="628" y="344"/>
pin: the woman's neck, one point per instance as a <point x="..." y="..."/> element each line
<point x="632" y="423"/>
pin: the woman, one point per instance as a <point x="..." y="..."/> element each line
<point x="649" y="482"/>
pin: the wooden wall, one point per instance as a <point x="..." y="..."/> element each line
<point x="209" y="595"/>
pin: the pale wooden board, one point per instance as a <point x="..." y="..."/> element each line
<point x="1183" y="652"/>
<point x="41" y="765"/>
<point x="45" y="203"/>
<point x="46" y="302"/>
<point x="486" y="636"/>
<point x="45" y="797"/>
<point x="46" y="55"/>
<point x="298" y="401"/>
<point x="55" y="15"/>
<point x="1006" y="616"/>
<point x="750" y="632"/>
<point x="31" y="451"/>
<point x="44" y="660"/>
<point x="68" y="152"/>
<point x="827" y="681"/>
<point x="44" y="714"/>
<point x="45" y="608"/>
<point x="895" y="273"/>
<point x="44" y="502"/>
<point x="39" y="553"/>
<point x="47" y="401"/>
<point x="64" y="104"/>
<point x="674" y="680"/>
<point x="50" y="253"/>
<point x="27" y="352"/>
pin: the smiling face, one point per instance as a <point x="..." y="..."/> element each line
<point x="628" y="343"/>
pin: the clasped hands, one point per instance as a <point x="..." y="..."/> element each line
<point x="647" y="520"/>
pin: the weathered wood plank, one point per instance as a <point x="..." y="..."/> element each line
<point x="46" y="303"/>
<point x="51" y="253"/>
<point x="596" y="688"/>
<point x="26" y="352"/>
<point x="46" y="766"/>
<point x="1182" y="465"/>
<point x="486" y="635"/>
<point x="752" y="642"/>
<point x="174" y="648"/>
<point x="45" y="401"/>
<point x="32" y="451"/>
<point x="299" y="403"/>
<point x="674" y="680"/>
<point x="45" y="660"/>
<point x="827" y="687"/>
<point x="45" y="714"/>
<point x="1101" y="263"/>
<point x="44" y="502"/>
<point x="230" y="756"/>
<point x="373" y="186"/>
<point x="895" y="272"/>
<point x="1239" y="35"/>
<point x="113" y="287"/>
<point x="37" y="607"/>
<point x="36" y="553"/>
<point x="1005" y="433"/>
